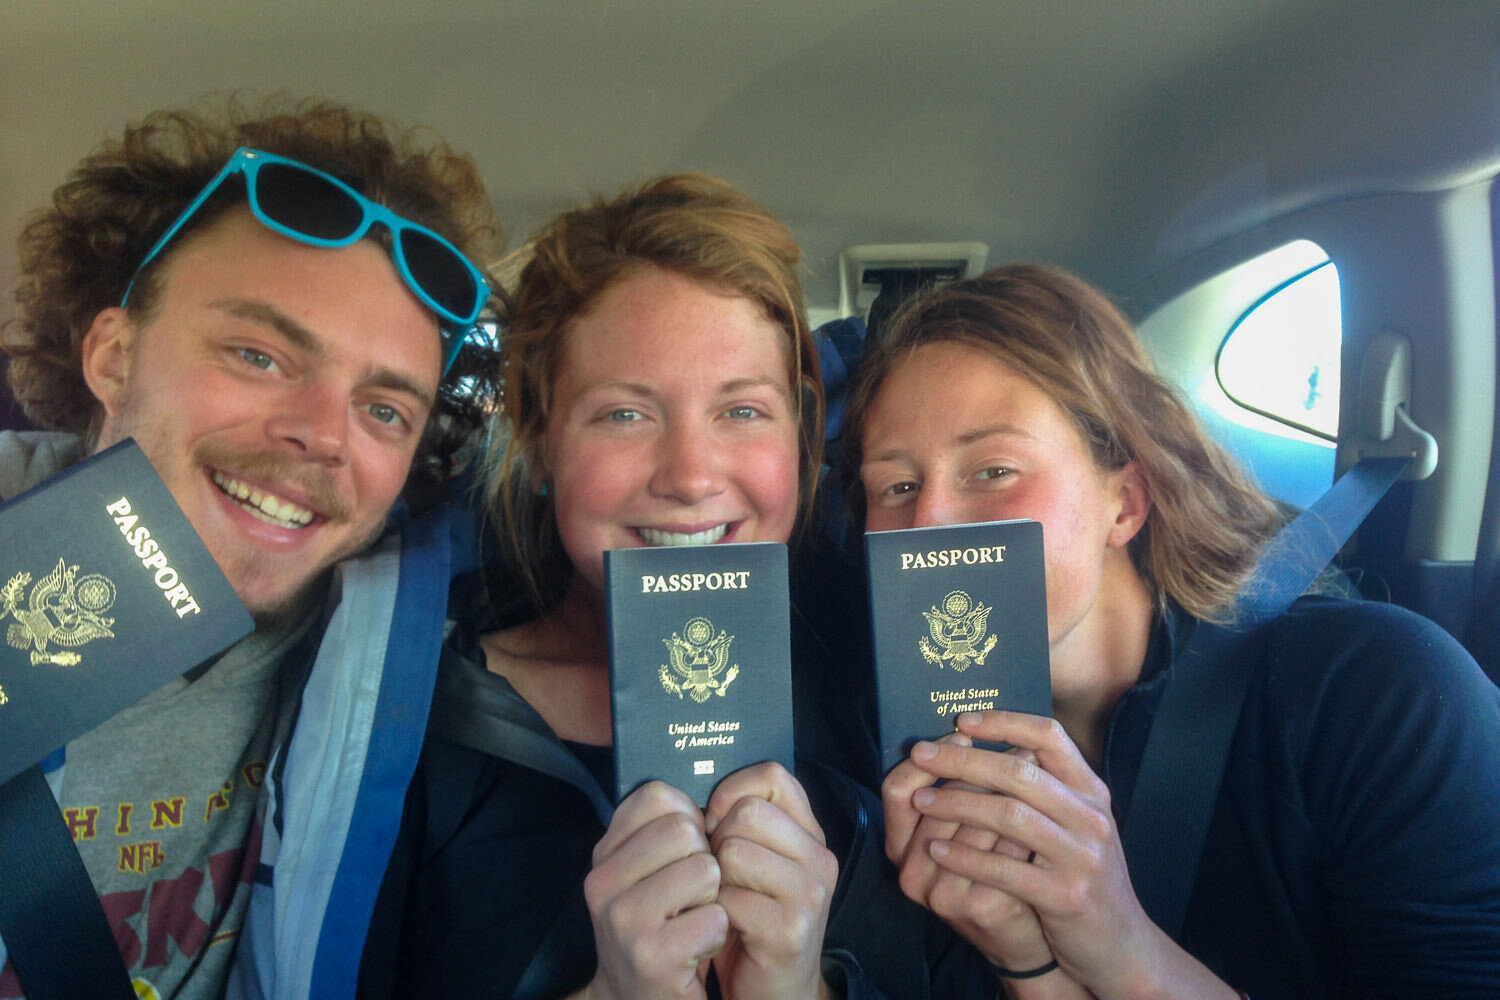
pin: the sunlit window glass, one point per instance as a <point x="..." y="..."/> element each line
<point x="1282" y="358"/>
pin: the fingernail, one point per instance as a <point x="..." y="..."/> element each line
<point x="969" y="719"/>
<point x="923" y="798"/>
<point x="940" y="848"/>
<point x="924" y="750"/>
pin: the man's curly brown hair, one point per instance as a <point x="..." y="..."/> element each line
<point x="79" y="256"/>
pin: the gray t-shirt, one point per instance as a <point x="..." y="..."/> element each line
<point x="165" y="800"/>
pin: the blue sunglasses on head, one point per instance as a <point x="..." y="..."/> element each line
<point x="316" y="208"/>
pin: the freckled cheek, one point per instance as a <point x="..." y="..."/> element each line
<point x="582" y="502"/>
<point x="769" y="479"/>
<point x="1064" y="594"/>
<point x="1074" y="562"/>
<point x="1009" y="503"/>
<point x="584" y="468"/>
<point x="593" y="486"/>
<point x="585" y="530"/>
<point x="886" y="519"/>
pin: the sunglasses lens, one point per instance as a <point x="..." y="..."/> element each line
<point x="306" y="203"/>
<point x="441" y="273"/>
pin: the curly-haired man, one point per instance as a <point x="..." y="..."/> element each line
<point x="270" y="301"/>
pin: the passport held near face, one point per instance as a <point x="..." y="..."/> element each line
<point x="106" y="593"/>
<point x="700" y="663"/>
<point x="959" y="615"/>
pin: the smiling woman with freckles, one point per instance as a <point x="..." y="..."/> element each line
<point x="1351" y="851"/>
<point x="656" y="406"/>
<point x="661" y="388"/>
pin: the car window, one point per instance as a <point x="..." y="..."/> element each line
<point x="1240" y="346"/>
<point x="1282" y="358"/>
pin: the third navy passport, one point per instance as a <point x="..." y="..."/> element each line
<point x="960" y="625"/>
<point x="106" y="593"/>
<point x="700" y="663"/>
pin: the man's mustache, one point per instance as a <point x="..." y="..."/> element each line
<point x="318" y="489"/>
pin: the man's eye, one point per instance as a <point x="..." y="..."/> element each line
<point x="624" y="416"/>
<point x="993" y="472"/>
<point x="257" y="359"/>
<point x="386" y="414"/>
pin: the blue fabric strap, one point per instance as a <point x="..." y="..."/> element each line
<point x="50" y="916"/>
<point x="396" y="733"/>
<point x="1183" y="762"/>
<point x="1298" y="553"/>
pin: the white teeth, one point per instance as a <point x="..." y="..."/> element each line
<point x="266" y="506"/>
<point x="708" y="537"/>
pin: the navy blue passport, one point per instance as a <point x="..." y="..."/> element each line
<point x="959" y="615"/>
<point x="700" y="663"/>
<point x="106" y="593"/>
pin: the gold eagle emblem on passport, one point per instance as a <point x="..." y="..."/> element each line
<point x="698" y="659"/>
<point x="63" y="609"/>
<point x="958" y="632"/>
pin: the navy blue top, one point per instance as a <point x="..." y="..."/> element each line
<point x="1354" y="850"/>
<point x="484" y="893"/>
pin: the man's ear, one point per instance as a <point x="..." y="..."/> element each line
<point x="107" y="350"/>
<point x="1133" y="493"/>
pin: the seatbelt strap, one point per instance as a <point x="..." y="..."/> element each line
<point x="1182" y="765"/>
<point x="54" y="929"/>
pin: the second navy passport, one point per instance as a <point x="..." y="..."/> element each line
<point x="106" y="594"/>
<point x="700" y="663"/>
<point x="960" y="625"/>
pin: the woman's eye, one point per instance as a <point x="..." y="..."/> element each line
<point x="256" y="359"/>
<point x="993" y="472"/>
<point x="742" y="413"/>
<point x="386" y="414"/>
<point x="900" y="489"/>
<point x="624" y="416"/>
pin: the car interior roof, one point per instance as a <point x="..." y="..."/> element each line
<point x="1114" y="139"/>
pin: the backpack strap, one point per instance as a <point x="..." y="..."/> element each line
<point x="1182" y="765"/>
<point x="54" y="929"/>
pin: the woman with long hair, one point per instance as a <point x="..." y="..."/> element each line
<point x="1344" y="856"/>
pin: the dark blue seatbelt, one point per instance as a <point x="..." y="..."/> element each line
<point x="54" y="929"/>
<point x="1183" y="762"/>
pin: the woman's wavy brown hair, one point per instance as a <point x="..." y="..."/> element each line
<point x="1208" y="521"/>
<point x="689" y="224"/>
<point x="79" y="256"/>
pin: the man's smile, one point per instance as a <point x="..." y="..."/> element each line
<point x="264" y="504"/>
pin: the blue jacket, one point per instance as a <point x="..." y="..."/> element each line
<point x="338" y="786"/>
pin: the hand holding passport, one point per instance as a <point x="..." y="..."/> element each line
<point x="701" y="699"/>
